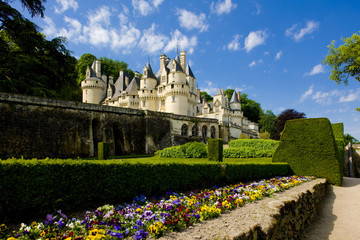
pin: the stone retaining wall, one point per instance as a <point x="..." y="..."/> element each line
<point x="282" y="217"/>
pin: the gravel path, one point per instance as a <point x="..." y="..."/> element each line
<point x="339" y="216"/>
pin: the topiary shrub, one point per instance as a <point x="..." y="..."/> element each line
<point x="215" y="149"/>
<point x="244" y="136"/>
<point x="188" y="150"/>
<point x="308" y="145"/>
<point x="338" y="130"/>
<point x="244" y="152"/>
<point x="103" y="150"/>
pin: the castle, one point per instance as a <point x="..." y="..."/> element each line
<point x="172" y="90"/>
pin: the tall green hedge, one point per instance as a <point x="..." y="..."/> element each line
<point x="338" y="130"/>
<point x="33" y="188"/>
<point x="188" y="150"/>
<point x="308" y="145"/>
<point x="215" y="149"/>
<point x="245" y="148"/>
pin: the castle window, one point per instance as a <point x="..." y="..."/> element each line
<point x="173" y="98"/>
<point x="97" y="81"/>
<point x="173" y="76"/>
<point x="195" y="131"/>
<point x="205" y="110"/>
<point x="213" y="132"/>
<point x="85" y="81"/>
<point x="184" y="130"/>
<point x="160" y="90"/>
<point x="217" y="109"/>
<point x="163" y="78"/>
<point x="143" y="91"/>
<point x="182" y="86"/>
<point x="143" y="103"/>
<point x="162" y="103"/>
<point x="150" y="91"/>
<point x="133" y="96"/>
<point x="144" y="81"/>
<point x="172" y="85"/>
<point x="217" y="116"/>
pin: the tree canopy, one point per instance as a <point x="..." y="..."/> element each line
<point x="267" y="123"/>
<point x="344" y="60"/>
<point x="288" y="114"/>
<point x="207" y="97"/>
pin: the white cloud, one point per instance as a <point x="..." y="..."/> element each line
<point x="177" y="38"/>
<point x="191" y="21"/>
<point x="307" y="94"/>
<point x="145" y="7"/>
<point x="151" y="42"/>
<point x="65" y="5"/>
<point x="234" y="45"/>
<point x="351" y="96"/>
<point x="258" y="9"/>
<point x="209" y="88"/>
<point x="50" y="28"/>
<point x="316" y="70"/>
<point x="73" y="31"/>
<point x="222" y="7"/>
<point x="125" y="39"/>
<point x="123" y="19"/>
<point x="310" y="27"/>
<point x="253" y="63"/>
<point x="255" y="39"/>
<point x="278" y="55"/>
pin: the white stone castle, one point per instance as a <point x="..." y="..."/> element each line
<point x="172" y="89"/>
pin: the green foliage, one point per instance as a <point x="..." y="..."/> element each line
<point x="267" y="123"/>
<point x="188" y="150"/>
<point x="112" y="67"/>
<point x="257" y="144"/>
<point x="103" y="150"/>
<point x="207" y="97"/>
<point x="348" y="138"/>
<point x="32" y="65"/>
<point x="82" y="63"/>
<point x="244" y="136"/>
<point x="308" y="145"/>
<point x="244" y="152"/>
<point x="285" y="115"/>
<point x="344" y="60"/>
<point x="338" y="131"/>
<point x="215" y="149"/>
<point x="33" y="188"/>
<point x="264" y="135"/>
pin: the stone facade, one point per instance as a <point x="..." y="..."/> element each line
<point x="172" y="90"/>
<point x="37" y="127"/>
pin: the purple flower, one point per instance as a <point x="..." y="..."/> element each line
<point x="49" y="217"/>
<point x="139" y="222"/>
<point x="116" y="234"/>
<point x="135" y="227"/>
<point x="62" y="215"/>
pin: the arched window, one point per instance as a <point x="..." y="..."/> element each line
<point x="204" y="132"/>
<point x="213" y="132"/>
<point x="184" y="130"/>
<point x="195" y="131"/>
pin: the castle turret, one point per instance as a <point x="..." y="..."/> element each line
<point x="183" y="59"/>
<point x="234" y="102"/>
<point x="94" y="85"/>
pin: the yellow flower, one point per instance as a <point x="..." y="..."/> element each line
<point x="11" y="238"/>
<point x="33" y="224"/>
<point x="139" y="210"/>
<point x="101" y="232"/>
<point x="43" y="233"/>
<point x="94" y="232"/>
<point x="69" y="238"/>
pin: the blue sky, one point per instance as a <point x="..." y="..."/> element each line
<point x="270" y="50"/>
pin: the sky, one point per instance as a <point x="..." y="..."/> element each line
<point x="270" y="50"/>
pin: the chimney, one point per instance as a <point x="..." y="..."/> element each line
<point x="198" y="94"/>
<point x="183" y="59"/>
<point x="203" y="101"/>
<point x="111" y="80"/>
<point x="137" y="74"/>
<point x="162" y="61"/>
<point x="238" y="95"/>
<point x="98" y="68"/>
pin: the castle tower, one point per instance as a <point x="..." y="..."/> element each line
<point x="183" y="59"/>
<point x="94" y="85"/>
<point x="234" y="102"/>
<point x="148" y="91"/>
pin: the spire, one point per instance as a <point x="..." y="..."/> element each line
<point x="149" y="72"/>
<point x="234" y="98"/>
<point x="188" y="71"/>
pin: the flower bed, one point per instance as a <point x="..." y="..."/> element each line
<point x="143" y="218"/>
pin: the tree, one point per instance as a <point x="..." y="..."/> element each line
<point x="267" y="123"/>
<point x="288" y="114"/>
<point x="82" y="63"/>
<point x="344" y="60"/>
<point x="207" y="97"/>
<point x="348" y="138"/>
<point x="32" y="65"/>
<point x="112" y="67"/>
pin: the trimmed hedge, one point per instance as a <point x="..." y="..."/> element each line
<point x="246" y="152"/>
<point x="338" y="130"/>
<point x="33" y="188"/>
<point x="257" y="144"/>
<point x="215" y="149"/>
<point x="103" y="150"/>
<point x="188" y="150"/>
<point x="308" y="145"/>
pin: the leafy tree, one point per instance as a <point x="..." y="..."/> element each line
<point x="267" y="123"/>
<point x="83" y="62"/>
<point x="207" y="97"/>
<point x="32" y="65"/>
<point x="288" y="114"/>
<point x="112" y="67"/>
<point x="251" y="109"/>
<point x="35" y="7"/>
<point x="344" y="60"/>
<point x="348" y="138"/>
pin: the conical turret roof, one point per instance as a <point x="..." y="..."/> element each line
<point x="234" y="98"/>
<point x="188" y="71"/>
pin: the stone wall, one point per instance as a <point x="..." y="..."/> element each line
<point x="35" y="127"/>
<point x="282" y="216"/>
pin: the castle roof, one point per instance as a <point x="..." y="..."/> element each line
<point x="177" y="66"/>
<point x="133" y="87"/>
<point x="218" y="92"/>
<point x="149" y="72"/>
<point x="120" y="84"/>
<point x="234" y="98"/>
<point x="188" y="71"/>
